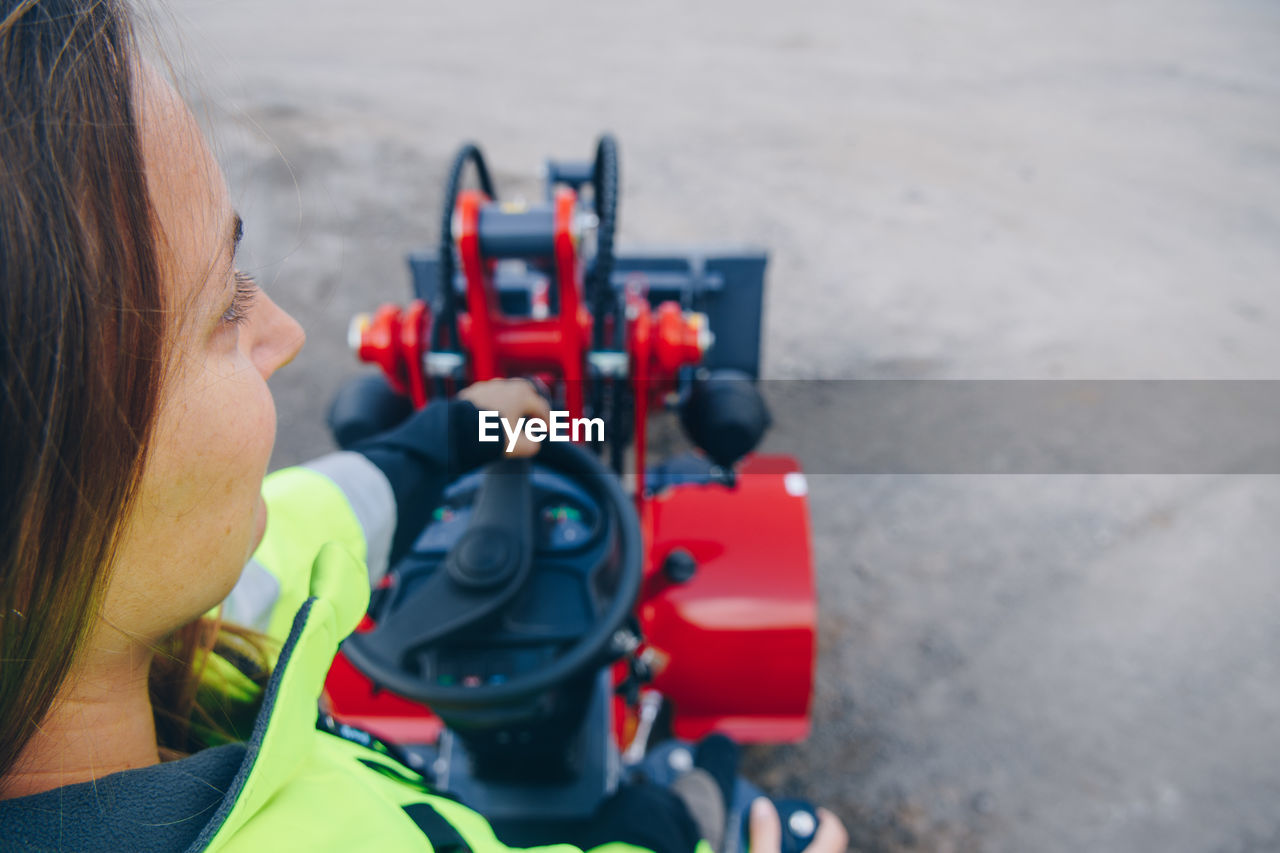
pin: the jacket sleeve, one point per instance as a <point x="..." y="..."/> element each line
<point x="421" y="456"/>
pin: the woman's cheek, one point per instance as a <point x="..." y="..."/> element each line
<point x="239" y="419"/>
<point x="245" y="453"/>
<point x="266" y="431"/>
<point x="251" y="424"/>
<point x="251" y="432"/>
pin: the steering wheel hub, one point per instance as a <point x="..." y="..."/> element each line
<point x="486" y="559"/>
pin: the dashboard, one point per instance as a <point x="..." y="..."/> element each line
<point x="566" y="590"/>
<point x="566" y="516"/>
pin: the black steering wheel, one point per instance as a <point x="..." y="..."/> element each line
<point x="466" y="605"/>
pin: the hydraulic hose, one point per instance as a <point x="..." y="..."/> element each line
<point x="447" y="309"/>
<point x="604" y="183"/>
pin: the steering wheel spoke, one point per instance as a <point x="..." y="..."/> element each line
<point x="433" y="611"/>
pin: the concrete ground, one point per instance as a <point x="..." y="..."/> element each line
<point x="985" y="190"/>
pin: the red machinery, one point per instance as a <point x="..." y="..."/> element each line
<point x="726" y="608"/>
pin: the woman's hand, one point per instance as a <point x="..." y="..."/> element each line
<point x="765" y="831"/>
<point x="512" y="399"/>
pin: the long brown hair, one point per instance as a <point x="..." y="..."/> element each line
<point x="81" y="334"/>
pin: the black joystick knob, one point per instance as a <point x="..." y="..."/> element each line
<point x="724" y="415"/>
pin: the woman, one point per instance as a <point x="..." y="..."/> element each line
<point x="137" y="426"/>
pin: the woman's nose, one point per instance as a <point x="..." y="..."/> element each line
<point x="277" y="338"/>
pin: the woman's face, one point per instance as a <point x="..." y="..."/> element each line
<point x="199" y="513"/>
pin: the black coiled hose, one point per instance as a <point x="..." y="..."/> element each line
<point x="608" y="396"/>
<point x="604" y="183"/>
<point x="446" y="311"/>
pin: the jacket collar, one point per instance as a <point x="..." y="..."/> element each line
<point x="284" y="732"/>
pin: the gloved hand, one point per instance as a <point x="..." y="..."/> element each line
<point x="765" y="831"/>
<point x="432" y="447"/>
<point x="512" y="399"/>
<point x="728" y="810"/>
<point x="366" y="407"/>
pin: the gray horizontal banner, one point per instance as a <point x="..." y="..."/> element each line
<point x="1026" y="427"/>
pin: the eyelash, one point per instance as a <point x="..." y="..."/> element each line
<point x="237" y="312"/>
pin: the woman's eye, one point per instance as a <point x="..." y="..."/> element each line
<point x="238" y="311"/>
